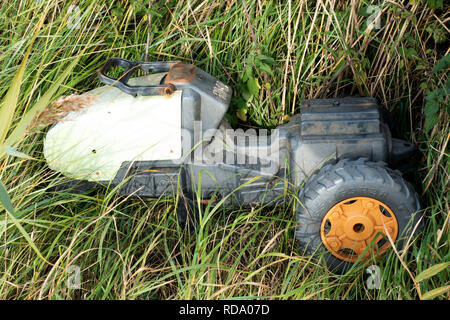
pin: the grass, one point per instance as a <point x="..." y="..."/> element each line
<point x="129" y="248"/>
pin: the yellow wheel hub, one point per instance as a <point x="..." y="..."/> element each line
<point x="352" y="224"/>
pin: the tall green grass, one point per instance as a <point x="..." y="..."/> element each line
<point x="130" y="248"/>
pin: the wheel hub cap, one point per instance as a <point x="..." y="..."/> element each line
<point x="355" y="223"/>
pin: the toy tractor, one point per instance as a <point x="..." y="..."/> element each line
<point x="165" y="133"/>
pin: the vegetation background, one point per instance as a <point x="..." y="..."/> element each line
<point x="273" y="54"/>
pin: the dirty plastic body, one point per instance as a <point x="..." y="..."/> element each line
<point x="217" y="162"/>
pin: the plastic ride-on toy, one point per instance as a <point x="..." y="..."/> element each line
<point x="165" y="133"/>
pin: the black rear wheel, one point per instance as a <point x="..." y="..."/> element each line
<point x="347" y="210"/>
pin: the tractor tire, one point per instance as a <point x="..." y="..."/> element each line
<point x="351" y="201"/>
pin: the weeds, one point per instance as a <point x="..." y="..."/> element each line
<point x="273" y="54"/>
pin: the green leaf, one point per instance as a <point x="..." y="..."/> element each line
<point x="239" y="102"/>
<point x="428" y="273"/>
<point x="242" y="114"/>
<point x="365" y="12"/>
<point x="411" y="53"/>
<point x="117" y="12"/>
<point x="253" y="86"/>
<point x="5" y="200"/>
<point x="266" y="59"/>
<point x="442" y="64"/>
<point x="244" y="77"/>
<point x="435" y="292"/>
<point x="246" y="94"/>
<point x="431" y="107"/>
<point x="435" y="4"/>
<point x="437" y="94"/>
<point x="431" y="121"/>
<point x="249" y="71"/>
<point x="266" y="68"/>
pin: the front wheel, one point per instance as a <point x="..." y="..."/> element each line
<point x="347" y="209"/>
